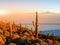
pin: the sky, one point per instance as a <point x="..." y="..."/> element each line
<point x="30" y="5"/>
<point x="20" y="11"/>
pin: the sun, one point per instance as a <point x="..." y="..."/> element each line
<point x="3" y="12"/>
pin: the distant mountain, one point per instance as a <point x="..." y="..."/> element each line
<point x="47" y="12"/>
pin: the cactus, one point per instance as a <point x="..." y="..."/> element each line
<point x="3" y="31"/>
<point x="53" y="34"/>
<point x="35" y="24"/>
<point x="10" y="28"/>
<point x="41" y="32"/>
<point x="20" y="27"/>
<point x="48" y="34"/>
<point x="13" y="25"/>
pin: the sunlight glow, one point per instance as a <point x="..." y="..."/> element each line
<point x="3" y="12"/>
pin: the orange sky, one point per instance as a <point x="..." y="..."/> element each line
<point x="29" y="17"/>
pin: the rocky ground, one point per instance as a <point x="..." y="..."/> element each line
<point x="24" y="36"/>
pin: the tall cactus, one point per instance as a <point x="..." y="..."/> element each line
<point x="10" y="28"/>
<point x="35" y="24"/>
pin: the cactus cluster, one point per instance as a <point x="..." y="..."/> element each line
<point x="13" y="34"/>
